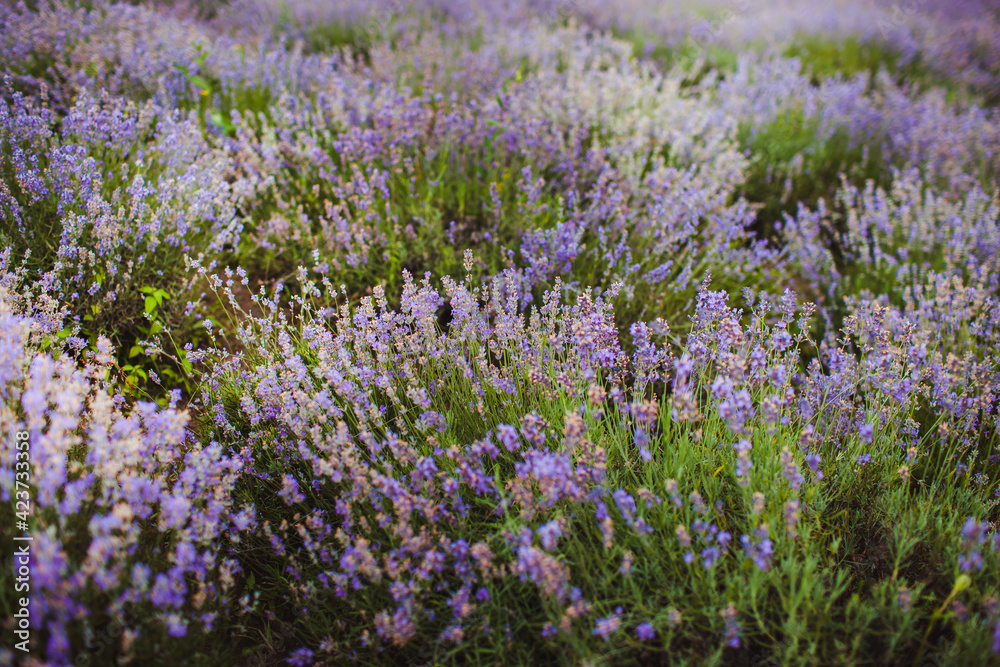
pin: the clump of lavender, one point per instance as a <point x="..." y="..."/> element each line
<point x="976" y="539"/>
<point x="497" y="249"/>
<point x="732" y="626"/>
<point x="645" y="632"/>
<point x="608" y="625"/>
<point x="760" y="548"/>
<point x="743" y="461"/>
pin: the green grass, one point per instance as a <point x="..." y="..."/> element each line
<point x="790" y="163"/>
<point x="823" y="58"/>
<point x="691" y="58"/>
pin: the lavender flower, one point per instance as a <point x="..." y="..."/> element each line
<point x="645" y="632"/>
<point x="760" y="551"/>
<point x="732" y="626"/>
<point x="791" y="470"/>
<point x="608" y="625"/>
<point x="743" y="461"/>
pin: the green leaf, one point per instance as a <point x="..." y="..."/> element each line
<point x="150" y="304"/>
<point x="155" y="328"/>
<point x="201" y="83"/>
<point x="220" y="122"/>
<point x="134" y="351"/>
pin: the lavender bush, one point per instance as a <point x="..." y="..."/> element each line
<point x="505" y="333"/>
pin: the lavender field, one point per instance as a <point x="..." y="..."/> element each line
<point x="521" y="332"/>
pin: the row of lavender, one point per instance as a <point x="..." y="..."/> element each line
<point x="563" y="443"/>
